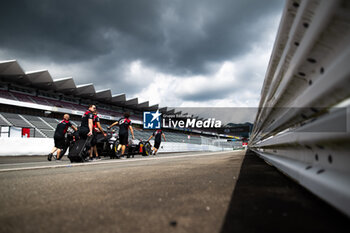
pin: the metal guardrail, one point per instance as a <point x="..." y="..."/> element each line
<point x="303" y="125"/>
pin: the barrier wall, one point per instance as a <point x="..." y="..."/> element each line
<point x="302" y="126"/>
<point x="25" y="146"/>
<point x="42" y="146"/>
<point x="184" y="147"/>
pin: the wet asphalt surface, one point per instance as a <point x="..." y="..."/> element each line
<point x="170" y="193"/>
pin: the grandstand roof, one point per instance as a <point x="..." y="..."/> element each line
<point x="41" y="78"/>
<point x="85" y="90"/>
<point x="163" y="110"/>
<point x="171" y="111"/>
<point x="132" y="102"/>
<point x="143" y="105"/>
<point x="119" y="98"/>
<point x="153" y="107"/>
<point x="104" y="95"/>
<point x="10" y="67"/>
<point x="11" y="71"/>
<point x="65" y="85"/>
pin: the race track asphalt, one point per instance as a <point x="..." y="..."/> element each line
<point x="187" y="192"/>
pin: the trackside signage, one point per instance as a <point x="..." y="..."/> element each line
<point x="151" y="120"/>
<point x="191" y="123"/>
<point x="155" y="120"/>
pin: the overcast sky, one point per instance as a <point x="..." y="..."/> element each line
<point x="173" y="52"/>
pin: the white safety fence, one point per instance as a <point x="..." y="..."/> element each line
<point x="302" y="126"/>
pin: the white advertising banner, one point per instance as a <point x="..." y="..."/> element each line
<point x="25" y="146"/>
<point x="15" y="132"/>
<point x="4" y="131"/>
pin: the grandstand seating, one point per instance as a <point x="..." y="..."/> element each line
<point x="37" y="122"/>
<point x="68" y="105"/>
<point x="22" y="97"/>
<point x="56" y="103"/>
<point x="48" y="133"/>
<point x="140" y="134"/>
<point x="6" y="95"/>
<point x="42" y="101"/>
<point x="3" y="122"/>
<point x="16" y="120"/>
<point x="51" y="121"/>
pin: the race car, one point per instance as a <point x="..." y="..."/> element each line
<point x="134" y="147"/>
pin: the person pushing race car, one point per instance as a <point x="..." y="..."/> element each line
<point x="124" y="127"/>
<point x="157" y="140"/>
<point x="59" y="137"/>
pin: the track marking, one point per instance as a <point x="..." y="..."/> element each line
<point x="114" y="161"/>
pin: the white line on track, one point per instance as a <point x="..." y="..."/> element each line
<point x="112" y="161"/>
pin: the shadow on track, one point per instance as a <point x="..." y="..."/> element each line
<point x="265" y="200"/>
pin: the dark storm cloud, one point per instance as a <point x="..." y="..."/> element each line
<point x="69" y="31"/>
<point x="206" y="95"/>
<point x="178" y="37"/>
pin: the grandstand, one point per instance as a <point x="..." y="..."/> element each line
<point x="36" y="102"/>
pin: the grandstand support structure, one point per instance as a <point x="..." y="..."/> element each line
<point x="302" y="126"/>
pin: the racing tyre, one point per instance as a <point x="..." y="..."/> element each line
<point x="147" y="149"/>
<point x="116" y="152"/>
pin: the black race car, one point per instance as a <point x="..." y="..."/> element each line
<point x="134" y="147"/>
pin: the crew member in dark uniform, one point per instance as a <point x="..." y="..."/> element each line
<point x="59" y="137"/>
<point x="157" y="140"/>
<point x="87" y="123"/>
<point x="97" y="132"/>
<point x="124" y="127"/>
